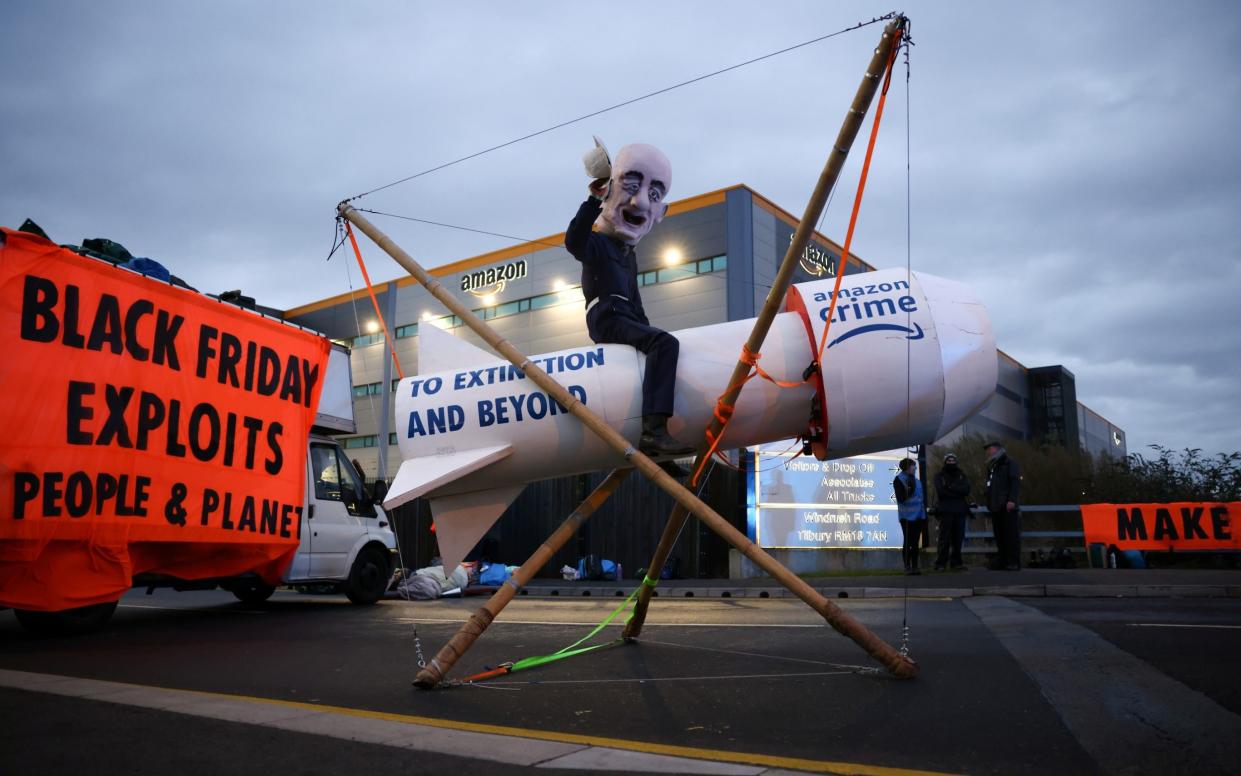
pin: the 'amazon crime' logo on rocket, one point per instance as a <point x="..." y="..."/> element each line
<point x="493" y="279"/>
<point x="851" y="307"/>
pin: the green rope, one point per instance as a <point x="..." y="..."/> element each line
<point x="574" y="648"/>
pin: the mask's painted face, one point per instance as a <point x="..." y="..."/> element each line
<point x="641" y="177"/>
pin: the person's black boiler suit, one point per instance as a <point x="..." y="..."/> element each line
<point x="610" y="275"/>
<point x="1003" y="486"/>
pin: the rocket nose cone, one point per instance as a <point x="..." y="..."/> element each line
<point x="967" y="347"/>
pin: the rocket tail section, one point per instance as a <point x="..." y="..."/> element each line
<point x="463" y="519"/>
<point x="439" y="351"/>
<point x="421" y="475"/>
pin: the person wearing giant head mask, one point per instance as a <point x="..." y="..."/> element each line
<point x="627" y="199"/>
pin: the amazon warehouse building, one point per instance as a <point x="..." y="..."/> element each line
<point x="712" y="259"/>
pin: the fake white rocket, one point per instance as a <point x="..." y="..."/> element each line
<point x="910" y="357"/>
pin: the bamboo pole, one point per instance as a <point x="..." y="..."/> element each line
<point x="895" y="662"/>
<point x="667" y="540"/>
<point x="442" y="663"/>
<point x="884" y="53"/>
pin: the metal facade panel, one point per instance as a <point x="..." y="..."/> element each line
<point x="700" y="298"/>
<point x="1014" y="377"/>
<point x="766" y="257"/>
<point x="698" y="234"/>
<point x="739" y="229"/>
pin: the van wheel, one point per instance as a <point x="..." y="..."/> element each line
<point x="253" y="593"/>
<point x="368" y="579"/>
<point x="67" y="622"/>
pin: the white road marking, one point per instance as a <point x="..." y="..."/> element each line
<point x="651" y="680"/>
<point x="591" y="624"/>
<point x="1180" y="625"/>
<point x="188" y="609"/>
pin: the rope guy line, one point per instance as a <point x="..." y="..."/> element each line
<point x="601" y="111"/>
<point x="522" y="240"/>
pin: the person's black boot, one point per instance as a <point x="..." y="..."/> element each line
<point x="656" y="442"/>
<point x="674" y="470"/>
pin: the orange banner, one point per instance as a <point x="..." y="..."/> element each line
<point x="144" y="428"/>
<point x="1176" y="526"/>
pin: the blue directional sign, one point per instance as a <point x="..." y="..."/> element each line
<point x="839" y="504"/>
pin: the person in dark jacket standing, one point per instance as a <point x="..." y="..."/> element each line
<point x="911" y="509"/>
<point x="626" y="200"/>
<point x="1003" y="502"/>
<point x="952" y="511"/>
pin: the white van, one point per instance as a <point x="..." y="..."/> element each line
<point x="346" y="539"/>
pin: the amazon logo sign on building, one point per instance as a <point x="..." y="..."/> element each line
<point x="816" y="261"/>
<point x="492" y="279"/>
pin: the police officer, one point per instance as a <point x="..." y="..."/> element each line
<point x="626" y="200"/>
<point x="1003" y="494"/>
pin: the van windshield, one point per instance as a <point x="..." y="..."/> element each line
<point x="337" y="480"/>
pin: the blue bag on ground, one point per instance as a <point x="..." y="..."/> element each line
<point x="493" y="575"/>
<point x="594" y="568"/>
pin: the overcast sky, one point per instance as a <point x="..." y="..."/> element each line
<point x="1076" y="162"/>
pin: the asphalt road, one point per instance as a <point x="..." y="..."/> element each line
<point x="1006" y="686"/>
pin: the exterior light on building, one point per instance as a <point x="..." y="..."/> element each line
<point x="489" y="299"/>
<point x="372" y="327"/>
<point x="559" y="285"/>
<point x="673" y="257"/>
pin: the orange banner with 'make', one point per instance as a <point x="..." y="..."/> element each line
<point x="1175" y="526"/>
<point x="143" y="429"/>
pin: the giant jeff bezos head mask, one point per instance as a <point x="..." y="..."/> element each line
<point x="641" y="177"/>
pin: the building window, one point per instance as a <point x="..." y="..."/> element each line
<point x="350" y="443"/>
<point x="446" y="322"/>
<point x="370" y="389"/>
<point x="545" y="300"/>
<point x="367" y="339"/>
<point x="672" y="274"/>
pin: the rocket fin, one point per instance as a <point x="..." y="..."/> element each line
<point x="439" y="351"/>
<point x="463" y="519"/>
<point x="419" y="476"/>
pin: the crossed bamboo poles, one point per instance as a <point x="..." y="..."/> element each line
<point x="687" y="503"/>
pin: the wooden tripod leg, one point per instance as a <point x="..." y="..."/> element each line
<point x="442" y="663"/>
<point x="672" y="530"/>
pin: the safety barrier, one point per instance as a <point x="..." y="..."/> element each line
<point x="1044" y="527"/>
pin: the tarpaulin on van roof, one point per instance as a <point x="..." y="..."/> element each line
<point x="143" y="429"/>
